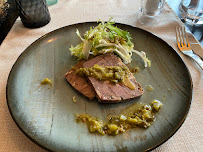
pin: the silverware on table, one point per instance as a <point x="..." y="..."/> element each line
<point x="184" y="45"/>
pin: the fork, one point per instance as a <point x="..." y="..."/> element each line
<point x="184" y="45"/>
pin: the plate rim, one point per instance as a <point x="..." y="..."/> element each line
<point x="94" y="22"/>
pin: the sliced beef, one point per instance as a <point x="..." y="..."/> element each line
<point x="80" y="83"/>
<point x="106" y="91"/>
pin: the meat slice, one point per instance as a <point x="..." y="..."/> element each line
<point x="81" y="84"/>
<point x="106" y="91"/>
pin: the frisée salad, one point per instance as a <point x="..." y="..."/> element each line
<point x="106" y="38"/>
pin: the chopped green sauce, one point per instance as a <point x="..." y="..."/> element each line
<point x="157" y="105"/>
<point x="114" y="74"/>
<point x="46" y="81"/>
<point x="74" y="100"/>
<point x="143" y="117"/>
<point x="150" y="88"/>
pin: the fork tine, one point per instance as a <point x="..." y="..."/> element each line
<point x="177" y="37"/>
<point x="186" y="38"/>
<point x="181" y="36"/>
<point x="184" y="35"/>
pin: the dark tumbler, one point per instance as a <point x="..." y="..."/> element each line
<point x="33" y="13"/>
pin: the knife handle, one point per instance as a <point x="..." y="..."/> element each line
<point x="195" y="57"/>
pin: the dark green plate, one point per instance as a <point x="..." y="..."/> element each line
<point x="46" y="114"/>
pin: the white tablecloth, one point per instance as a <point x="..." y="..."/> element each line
<point x="188" y="138"/>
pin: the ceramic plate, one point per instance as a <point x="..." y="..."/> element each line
<point x="46" y="114"/>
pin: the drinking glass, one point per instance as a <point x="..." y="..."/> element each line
<point x="51" y="2"/>
<point x="33" y="13"/>
<point x="152" y="8"/>
<point x="192" y="11"/>
<point x="149" y="9"/>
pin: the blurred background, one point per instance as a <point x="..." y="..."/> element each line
<point x="9" y="13"/>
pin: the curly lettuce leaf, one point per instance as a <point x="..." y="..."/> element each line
<point x="105" y="38"/>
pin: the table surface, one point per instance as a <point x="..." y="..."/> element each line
<point x="187" y="138"/>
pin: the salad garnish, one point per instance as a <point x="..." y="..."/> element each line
<point x="106" y="38"/>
